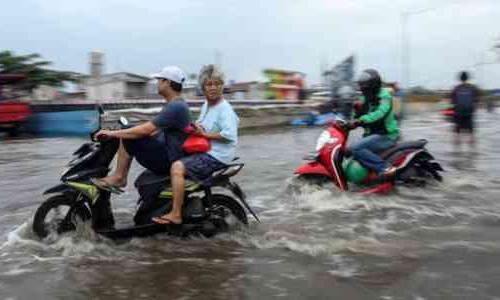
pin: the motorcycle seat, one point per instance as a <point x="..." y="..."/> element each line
<point x="418" y="144"/>
<point x="148" y="178"/>
<point x="149" y="183"/>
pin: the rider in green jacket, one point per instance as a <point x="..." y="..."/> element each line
<point x="374" y="113"/>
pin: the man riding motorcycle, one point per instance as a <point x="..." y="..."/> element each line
<point x="374" y="113"/>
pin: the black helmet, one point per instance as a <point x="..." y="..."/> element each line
<point x="369" y="82"/>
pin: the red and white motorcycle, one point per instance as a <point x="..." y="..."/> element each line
<point x="332" y="162"/>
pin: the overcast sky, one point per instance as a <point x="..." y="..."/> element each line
<point x="143" y="36"/>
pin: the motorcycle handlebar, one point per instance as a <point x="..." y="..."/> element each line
<point x="350" y="126"/>
<point x="103" y="137"/>
<point x="345" y="125"/>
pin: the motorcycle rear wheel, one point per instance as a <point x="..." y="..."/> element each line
<point x="44" y="224"/>
<point x="419" y="175"/>
<point x="229" y="212"/>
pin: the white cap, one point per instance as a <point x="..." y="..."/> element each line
<point x="173" y="73"/>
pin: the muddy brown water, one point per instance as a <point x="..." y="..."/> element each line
<point x="436" y="242"/>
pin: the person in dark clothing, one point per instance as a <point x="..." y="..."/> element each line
<point x="464" y="98"/>
<point x="157" y="143"/>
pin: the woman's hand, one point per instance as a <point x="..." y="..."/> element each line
<point x="199" y="130"/>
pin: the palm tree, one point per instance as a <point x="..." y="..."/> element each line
<point x="33" y="68"/>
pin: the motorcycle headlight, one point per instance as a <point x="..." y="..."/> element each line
<point x="323" y="139"/>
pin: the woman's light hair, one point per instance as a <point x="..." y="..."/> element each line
<point x="212" y="72"/>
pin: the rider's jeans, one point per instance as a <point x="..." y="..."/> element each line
<point x="363" y="151"/>
<point x="150" y="152"/>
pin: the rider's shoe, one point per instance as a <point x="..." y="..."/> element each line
<point x="389" y="172"/>
<point x="103" y="185"/>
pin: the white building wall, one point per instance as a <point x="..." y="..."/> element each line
<point x="113" y="90"/>
<point x="45" y="93"/>
<point x="106" y="91"/>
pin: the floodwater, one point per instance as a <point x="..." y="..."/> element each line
<point x="435" y="242"/>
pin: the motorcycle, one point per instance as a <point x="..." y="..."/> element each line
<point x="332" y="162"/>
<point x="78" y="199"/>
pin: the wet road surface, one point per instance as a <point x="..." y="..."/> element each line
<point x="435" y="242"/>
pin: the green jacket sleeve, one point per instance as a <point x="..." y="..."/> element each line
<point x="381" y="112"/>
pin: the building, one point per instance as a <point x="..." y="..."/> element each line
<point x="283" y="84"/>
<point x="116" y="86"/>
<point x="244" y="90"/>
<point x="46" y="93"/>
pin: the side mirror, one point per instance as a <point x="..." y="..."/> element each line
<point x="100" y="109"/>
<point x="124" y="122"/>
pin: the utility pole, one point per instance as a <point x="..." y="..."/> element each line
<point x="496" y="48"/>
<point x="405" y="44"/>
<point x="405" y="40"/>
<point x="405" y="51"/>
<point x="485" y="61"/>
<point x="218" y="58"/>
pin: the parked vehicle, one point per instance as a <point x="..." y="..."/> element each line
<point x="13" y="113"/>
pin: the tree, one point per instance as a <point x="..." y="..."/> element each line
<point x="31" y="66"/>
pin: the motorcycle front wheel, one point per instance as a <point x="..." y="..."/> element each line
<point x="314" y="180"/>
<point x="58" y="214"/>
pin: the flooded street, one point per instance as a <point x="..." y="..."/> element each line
<point x="436" y="242"/>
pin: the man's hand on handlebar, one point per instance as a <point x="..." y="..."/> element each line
<point x="358" y="107"/>
<point x="103" y="134"/>
<point x="353" y="124"/>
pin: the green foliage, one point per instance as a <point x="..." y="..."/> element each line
<point x="33" y="67"/>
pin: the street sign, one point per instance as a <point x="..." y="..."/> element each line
<point x="342" y="84"/>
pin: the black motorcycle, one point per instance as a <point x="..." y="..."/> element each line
<point x="77" y="199"/>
